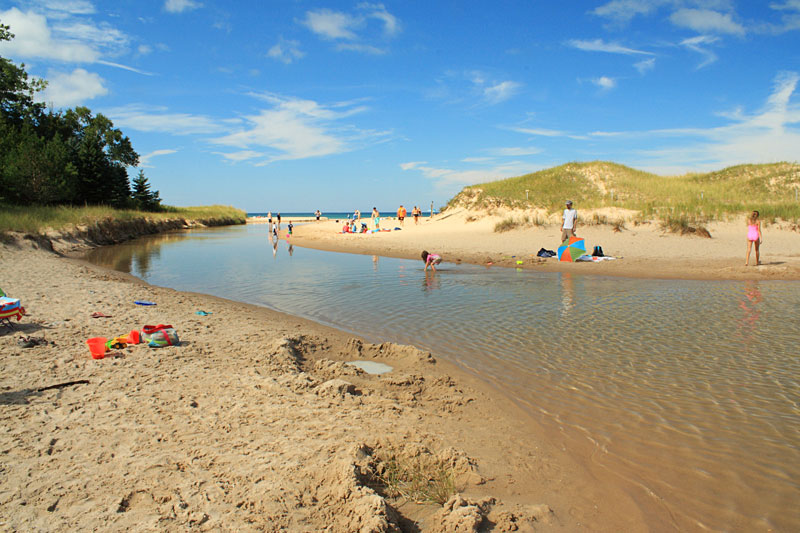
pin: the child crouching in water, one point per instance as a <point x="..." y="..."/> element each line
<point x="431" y="260"/>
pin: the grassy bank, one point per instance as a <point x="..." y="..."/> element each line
<point x="771" y="188"/>
<point x="36" y="220"/>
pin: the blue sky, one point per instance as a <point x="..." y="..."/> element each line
<point x="298" y="105"/>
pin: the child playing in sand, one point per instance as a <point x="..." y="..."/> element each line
<point x="753" y="236"/>
<point x="431" y="260"/>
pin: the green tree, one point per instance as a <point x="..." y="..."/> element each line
<point x="144" y="198"/>
<point x="54" y="157"/>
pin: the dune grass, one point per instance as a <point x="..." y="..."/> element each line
<point x="421" y="479"/>
<point x="770" y="188"/>
<point x="38" y="219"/>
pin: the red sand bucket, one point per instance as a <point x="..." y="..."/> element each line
<point x="134" y="337"/>
<point x="97" y="345"/>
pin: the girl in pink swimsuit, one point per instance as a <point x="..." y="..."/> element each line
<point x="431" y="260"/>
<point x="753" y="236"/>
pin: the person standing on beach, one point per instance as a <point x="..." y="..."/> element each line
<point x="290" y="226"/>
<point x="415" y="213"/>
<point x="376" y="218"/>
<point x="570" y="222"/>
<point x="401" y="214"/>
<point x="753" y="236"/>
<point x="279" y="221"/>
<point x="357" y="215"/>
<point x="317" y="214"/>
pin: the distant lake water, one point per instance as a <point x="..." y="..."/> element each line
<point x="685" y="392"/>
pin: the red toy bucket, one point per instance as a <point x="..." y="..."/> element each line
<point x="97" y="345"/>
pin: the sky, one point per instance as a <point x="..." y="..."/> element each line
<point x="299" y="105"/>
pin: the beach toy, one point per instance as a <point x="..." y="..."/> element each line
<point x="97" y="345"/>
<point x="519" y="262"/>
<point x="202" y="313"/>
<point x="143" y="302"/>
<point x="134" y="337"/>
<point x="117" y="343"/>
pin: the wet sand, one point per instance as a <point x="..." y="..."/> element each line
<point x="644" y="250"/>
<point x="254" y="422"/>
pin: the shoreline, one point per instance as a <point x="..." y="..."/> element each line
<point x="157" y="435"/>
<point x="644" y="250"/>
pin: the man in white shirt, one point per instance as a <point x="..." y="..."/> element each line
<point x="570" y="219"/>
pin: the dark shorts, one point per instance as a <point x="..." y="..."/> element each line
<point x="401" y="218"/>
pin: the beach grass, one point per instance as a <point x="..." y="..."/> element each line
<point x="423" y="478"/>
<point x="773" y="189"/>
<point x="36" y="220"/>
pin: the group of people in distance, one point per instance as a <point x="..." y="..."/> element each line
<point x="274" y="228"/>
<point x="569" y="223"/>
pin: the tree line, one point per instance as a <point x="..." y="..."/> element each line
<point x="70" y="157"/>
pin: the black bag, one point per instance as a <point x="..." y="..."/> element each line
<point x="598" y="251"/>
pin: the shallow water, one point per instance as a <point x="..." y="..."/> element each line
<point x="685" y="392"/>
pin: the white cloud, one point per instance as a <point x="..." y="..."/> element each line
<point x="286" y="51"/>
<point x="144" y="49"/>
<point x="144" y="118"/>
<point x="598" y="45"/>
<point x="179" y="6"/>
<point x="540" y="131"/>
<point x="297" y="129"/>
<point x="605" y="83"/>
<point x="354" y="28"/>
<point x="411" y="164"/>
<point x="70" y="41"/>
<point x="144" y="160"/>
<point x="500" y="92"/>
<point x="331" y="24"/>
<point x="790" y="17"/>
<point x="72" y="7"/>
<point x="452" y="177"/>
<point x="768" y="135"/>
<point x="623" y="11"/>
<point x="645" y="65"/>
<point x="124" y="67"/>
<point x="72" y="89"/>
<point x="365" y="48"/>
<point x="34" y="39"/>
<point x="515" y="151"/>
<point x="696" y="44"/>
<point x="102" y="35"/>
<point x="706" y="20"/>
<point x="242" y="155"/>
<point x="391" y="25"/>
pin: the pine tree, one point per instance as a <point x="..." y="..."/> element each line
<point x="146" y="199"/>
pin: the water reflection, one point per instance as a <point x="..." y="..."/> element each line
<point x="749" y="304"/>
<point x="567" y="293"/>
<point x="431" y="281"/>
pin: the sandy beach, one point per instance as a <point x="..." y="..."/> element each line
<point x="643" y="250"/>
<point x="253" y="422"/>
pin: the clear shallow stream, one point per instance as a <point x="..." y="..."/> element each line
<point x="688" y="392"/>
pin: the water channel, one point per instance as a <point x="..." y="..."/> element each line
<point x="688" y="391"/>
